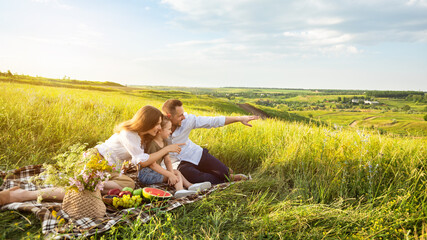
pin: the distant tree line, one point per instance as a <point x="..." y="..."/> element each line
<point x="253" y="94"/>
<point x="339" y="92"/>
<point x="6" y="74"/>
<point x="51" y="81"/>
<point x="417" y="98"/>
<point x="392" y="94"/>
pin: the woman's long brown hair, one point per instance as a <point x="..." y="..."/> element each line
<point x="144" y="119"/>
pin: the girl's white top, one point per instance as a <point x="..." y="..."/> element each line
<point x="123" y="146"/>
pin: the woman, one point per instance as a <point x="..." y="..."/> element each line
<point x="126" y="144"/>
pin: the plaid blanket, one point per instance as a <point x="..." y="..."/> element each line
<point x="56" y="224"/>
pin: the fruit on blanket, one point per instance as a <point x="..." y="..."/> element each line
<point x="137" y="192"/>
<point x="152" y="194"/>
<point x="114" y="191"/>
<point x="123" y="193"/>
<point x="127" y="201"/>
<point x="127" y="189"/>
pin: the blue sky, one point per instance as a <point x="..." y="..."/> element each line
<point x="341" y="44"/>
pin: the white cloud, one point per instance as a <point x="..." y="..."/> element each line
<point x="422" y="3"/>
<point x="351" y="18"/>
<point x="56" y="3"/>
<point x="320" y="36"/>
<point x="339" y="49"/>
<point x="197" y="43"/>
<point x="324" y="21"/>
<point x="254" y="30"/>
<point x="70" y="35"/>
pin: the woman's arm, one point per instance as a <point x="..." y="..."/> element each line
<point x="131" y="141"/>
<point x="160" y="154"/>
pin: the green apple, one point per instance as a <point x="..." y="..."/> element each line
<point x="127" y="189"/>
<point x="137" y="192"/>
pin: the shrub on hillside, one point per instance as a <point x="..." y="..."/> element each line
<point x="406" y="108"/>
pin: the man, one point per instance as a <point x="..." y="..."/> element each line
<point x="195" y="163"/>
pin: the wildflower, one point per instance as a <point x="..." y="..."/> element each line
<point x="54" y="213"/>
<point x="99" y="186"/>
<point x="79" y="185"/>
<point x="72" y="181"/>
<point x="100" y="174"/>
<point x="85" y="177"/>
<point x="39" y="199"/>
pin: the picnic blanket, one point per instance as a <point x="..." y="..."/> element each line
<point x="56" y="224"/>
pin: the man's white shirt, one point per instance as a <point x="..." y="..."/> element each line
<point x="191" y="152"/>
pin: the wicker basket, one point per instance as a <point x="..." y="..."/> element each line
<point x="83" y="204"/>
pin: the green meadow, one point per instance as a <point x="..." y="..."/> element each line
<point x="311" y="180"/>
<point x="399" y="123"/>
<point x="395" y="114"/>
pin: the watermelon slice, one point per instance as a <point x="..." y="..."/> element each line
<point x="153" y="194"/>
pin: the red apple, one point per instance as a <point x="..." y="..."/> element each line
<point x="115" y="191"/>
<point x="122" y="193"/>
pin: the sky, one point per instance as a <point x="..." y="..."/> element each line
<point x="309" y="44"/>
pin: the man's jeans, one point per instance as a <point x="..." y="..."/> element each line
<point x="210" y="169"/>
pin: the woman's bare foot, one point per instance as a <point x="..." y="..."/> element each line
<point x="5" y="195"/>
<point x="21" y="195"/>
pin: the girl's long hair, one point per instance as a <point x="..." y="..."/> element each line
<point x="144" y="119"/>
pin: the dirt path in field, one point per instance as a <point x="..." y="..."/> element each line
<point x="354" y="123"/>
<point x="253" y="110"/>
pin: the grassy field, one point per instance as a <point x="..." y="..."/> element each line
<point x="315" y="98"/>
<point x="391" y="122"/>
<point x="327" y="107"/>
<point x="310" y="181"/>
<point x="399" y="103"/>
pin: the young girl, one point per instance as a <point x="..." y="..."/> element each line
<point x="157" y="174"/>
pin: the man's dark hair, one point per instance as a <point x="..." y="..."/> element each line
<point x="170" y="106"/>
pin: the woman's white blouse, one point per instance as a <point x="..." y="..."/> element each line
<point x="123" y="146"/>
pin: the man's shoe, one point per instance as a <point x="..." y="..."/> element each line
<point x="200" y="186"/>
<point x="183" y="193"/>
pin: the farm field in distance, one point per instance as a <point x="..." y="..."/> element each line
<point x="314" y="175"/>
<point x="401" y="113"/>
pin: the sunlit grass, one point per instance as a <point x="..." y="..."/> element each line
<point x="309" y="181"/>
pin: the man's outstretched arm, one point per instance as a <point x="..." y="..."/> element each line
<point x="243" y="119"/>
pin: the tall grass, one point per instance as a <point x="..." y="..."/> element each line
<point x="322" y="163"/>
<point x="310" y="181"/>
